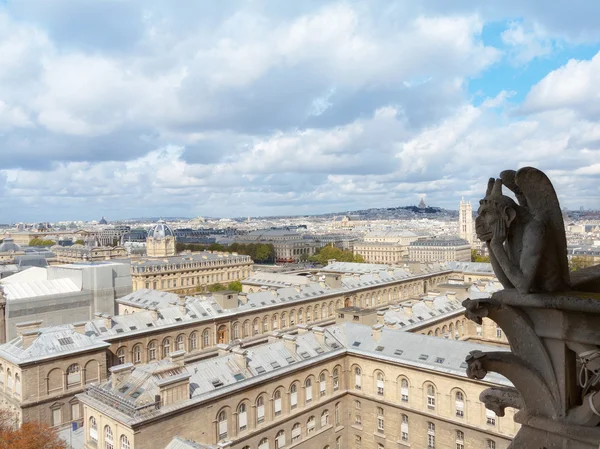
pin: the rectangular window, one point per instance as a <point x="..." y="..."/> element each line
<point x="358" y="381"/>
<point x="294" y="399"/>
<point x="430" y="441"/>
<point x="490" y="417"/>
<point x="277" y="407"/>
<point x="357" y="419"/>
<point x="75" y="412"/>
<point x="308" y="394"/>
<point x="243" y="419"/>
<point x="380" y="385"/>
<point x="380" y="424"/>
<point x="56" y="417"/>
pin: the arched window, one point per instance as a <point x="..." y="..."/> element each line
<point x="180" y="342"/>
<point x="166" y="348"/>
<point x="490" y="444"/>
<point x="430" y="397"/>
<point x="236" y="331"/>
<point x="430" y="435"/>
<point x="108" y="438"/>
<point x="246" y="332"/>
<point x="265" y="324"/>
<point x="325" y="418"/>
<point x="316" y="312"/>
<point x="292" y="318"/>
<point x="256" y="326"/>
<point x="222" y="420"/>
<point x="17" y="384"/>
<point x="125" y="442"/>
<point x="308" y="390"/>
<point x="275" y="324"/>
<point x="404" y="390"/>
<point x="260" y="409"/>
<point x="308" y="314"/>
<point x="205" y="338"/>
<point x="283" y="320"/>
<point x="294" y="396"/>
<point x="322" y="384"/>
<point x="404" y="428"/>
<point x="300" y="316"/>
<point x="460" y="404"/>
<point x="152" y="350"/>
<point x="296" y="432"/>
<point x="73" y="375"/>
<point x="280" y="440"/>
<point x="357" y="378"/>
<point x="277" y="405"/>
<point x="93" y="430"/>
<point x="263" y="444"/>
<point x="121" y="355"/>
<point x="242" y="417"/>
<point x="336" y="379"/>
<point x="193" y="341"/>
<point x="137" y="354"/>
<point x="380" y="383"/>
<point x="337" y="414"/>
<point x="380" y="420"/>
<point x="310" y="425"/>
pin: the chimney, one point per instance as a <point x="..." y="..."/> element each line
<point x="243" y="298"/>
<point x="333" y="280"/>
<point x="273" y="291"/>
<point x="181" y="304"/>
<point x="381" y="317"/>
<point x="451" y="295"/>
<point x="319" y="334"/>
<point x="407" y="308"/>
<point x="331" y="261"/>
<point x="177" y="357"/>
<point x="222" y="349"/>
<point x="302" y="328"/>
<point x="289" y="342"/>
<point x="239" y="357"/>
<point x="119" y="373"/>
<point x="29" y="337"/>
<point x="377" y="330"/>
<point x="428" y="302"/>
<point x="28" y="326"/>
<point x="107" y="320"/>
<point x="79" y="327"/>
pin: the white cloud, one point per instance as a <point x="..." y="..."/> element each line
<point x="526" y="44"/>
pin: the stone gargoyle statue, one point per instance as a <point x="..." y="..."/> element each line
<point x="526" y="241"/>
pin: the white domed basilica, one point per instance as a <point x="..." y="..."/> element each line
<point x="160" y="241"/>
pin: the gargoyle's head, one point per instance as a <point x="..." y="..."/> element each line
<point x="496" y="209"/>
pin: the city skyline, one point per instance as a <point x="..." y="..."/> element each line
<point x="256" y="109"/>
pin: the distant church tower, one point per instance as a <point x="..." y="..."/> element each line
<point x="160" y="241"/>
<point x="465" y="221"/>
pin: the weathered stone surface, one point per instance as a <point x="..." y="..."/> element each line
<point x="551" y="320"/>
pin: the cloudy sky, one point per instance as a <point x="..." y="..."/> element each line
<point x="124" y="108"/>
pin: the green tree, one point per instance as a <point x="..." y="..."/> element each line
<point x="263" y="253"/>
<point x="79" y="242"/>
<point x="359" y="259"/>
<point x="235" y="286"/>
<point x="40" y="242"/>
<point x="578" y="262"/>
<point x="216" y="287"/>
<point x="475" y="257"/>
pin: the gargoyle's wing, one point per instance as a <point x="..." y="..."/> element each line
<point x="509" y="180"/>
<point x="543" y="204"/>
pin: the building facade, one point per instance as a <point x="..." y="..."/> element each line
<point x="346" y="386"/>
<point x="389" y="247"/>
<point x="289" y="245"/>
<point x="80" y="253"/>
<point x="161" y="241"/>
<point x="440" y="250"/>
<point x="189" y="272"/>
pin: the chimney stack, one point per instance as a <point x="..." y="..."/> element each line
<point x="289" y="342"/>
<point x="239" y="357"/>
<point x="29" y="337"/>
<point x="79" y="327"/>
<point x="377" y="330"/>
<point x="181" y="304"/>
<point x="177" y="357"/>
<point x="319" y="334"/>
<point x="119" y="373"/>
<point x="243" y="298"/>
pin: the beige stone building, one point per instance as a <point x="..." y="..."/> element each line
<point x="80" y="253"/>
<point x="160" y="241"/>
<point x="465" y="221"/>
<point x="440" y="250"/>
<point x="191" y="272"/>
<point x="154" y="324"/>
<point x="345" y="386"/>
<point x="389" y="247"/>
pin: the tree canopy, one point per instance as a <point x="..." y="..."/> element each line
<point x="331" y="252"/>
<point x="578" y="262"/>
<point x="235" y="286"/>
<point x="41" y="242"/>
<point x="31" y="435"/>
<point x="475" y="257"/>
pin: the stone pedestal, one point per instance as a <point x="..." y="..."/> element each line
<point x="554" y="363"/>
